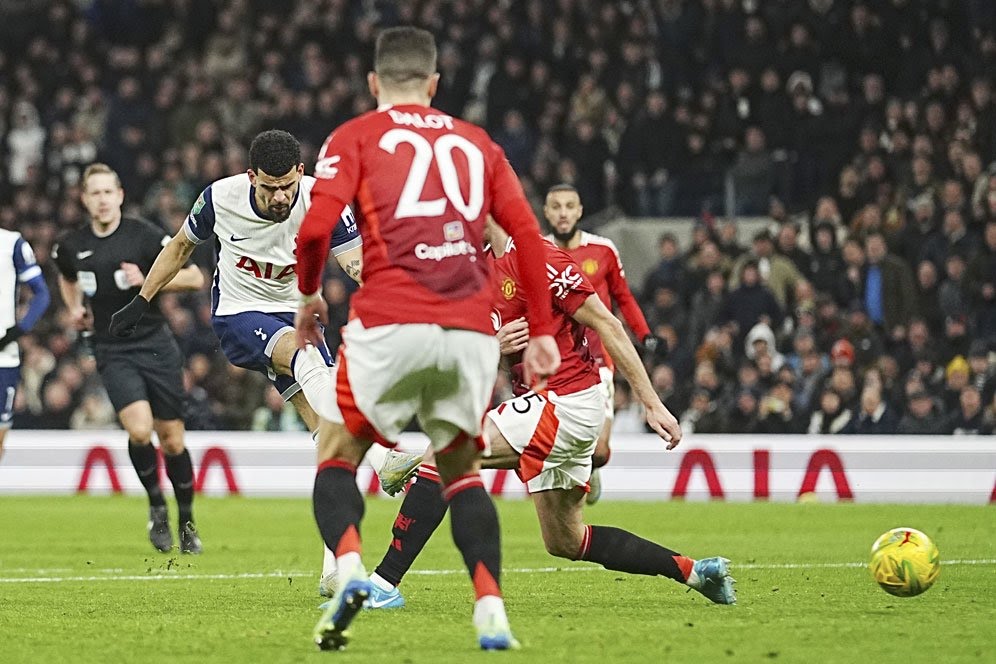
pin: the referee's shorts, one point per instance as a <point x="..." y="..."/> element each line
<point x="149" y="369"/>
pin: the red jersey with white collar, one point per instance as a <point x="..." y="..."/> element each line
<point x="568" y="291"/>
<point x="424" y="183"/>
<point x="599" y="259"/>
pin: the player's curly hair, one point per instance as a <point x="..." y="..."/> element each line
<point x="275" y="152"/>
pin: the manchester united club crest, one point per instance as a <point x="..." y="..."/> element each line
<point x="508" y="288"/>
<point x="590" y="266"/>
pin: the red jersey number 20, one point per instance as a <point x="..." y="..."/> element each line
<point x="410" y="203"/>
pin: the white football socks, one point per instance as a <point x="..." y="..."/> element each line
<point x="315" y="379"/>
<point x="376" y="456"/>
<point x="328" y="562"/>
<point x="489" y="611"/>
<point x="381" y="582"/>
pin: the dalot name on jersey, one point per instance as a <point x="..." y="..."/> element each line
<point x="262" y="270"/>
<point x="419" y="121"/>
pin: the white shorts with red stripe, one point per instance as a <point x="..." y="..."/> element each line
<point x="389" y="373"/>
<point x="608" y="386"/>
<point x="554" y="435"/>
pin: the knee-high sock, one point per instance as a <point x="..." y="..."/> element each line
<point x="338" y="506"/>
<point x="143" y="458"/>
<point x="620" y="550"/>
<point x="315" y="379"/>
<point x="180" y="471"/>
<point x="476" y="533"/>
<point x="421" y="513"/>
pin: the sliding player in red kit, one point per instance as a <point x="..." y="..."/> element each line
<point x="419" y="342"/>
<point x="599" y="259"/>
<point x="548" y="437"/>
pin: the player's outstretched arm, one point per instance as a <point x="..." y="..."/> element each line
<point x="167" y="272"/>
<point x="610" y="330"/>
<point x="164" y="272"/>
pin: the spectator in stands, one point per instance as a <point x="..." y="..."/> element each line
<point x="744" y="416"/>
<point x="777" y="272"/>
<point x="775" y="414"/>
<point x="983" y="370"/>
<point x="750" y="303"/>
<point x="831" y="415"/>
<point x="703" y="414"/>
<point x="888" y="290"/>
<point x="646" y="156"/>
<point x="922" y="416"/>
<point x="874" y="417"/>
<point x="669" y="271"/>
<point x="968" y="419"/>
<point x="753" y="174"/>
<point x="706" y="305"/>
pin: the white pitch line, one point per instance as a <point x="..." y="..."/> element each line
<point x="428" y="572"/>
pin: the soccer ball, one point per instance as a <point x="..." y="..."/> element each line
<point x="905" y="562"/>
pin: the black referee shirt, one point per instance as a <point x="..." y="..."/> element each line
<point x="95" y="262"/>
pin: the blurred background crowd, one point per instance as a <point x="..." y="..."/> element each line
<point x="863" y="131"/>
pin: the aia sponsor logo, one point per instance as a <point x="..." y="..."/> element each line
<point x="263" y="270"/>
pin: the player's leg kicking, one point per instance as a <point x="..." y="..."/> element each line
<point x="556" y="473"/>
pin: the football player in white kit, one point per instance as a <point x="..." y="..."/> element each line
<point x="255" y="217"/>
<point x="17" y="267"/>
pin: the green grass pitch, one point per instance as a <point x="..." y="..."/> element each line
<point x="99" y="593"/>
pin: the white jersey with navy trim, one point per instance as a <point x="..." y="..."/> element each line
<point x="256" y="261"/>
<point x="17" y="266"/>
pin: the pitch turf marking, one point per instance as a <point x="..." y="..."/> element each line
<point x="416" y="572"/>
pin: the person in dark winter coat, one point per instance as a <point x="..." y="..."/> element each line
<point x="874" y="417"/>
<point x="750" y="303"/>
<point x="923" y="417"/>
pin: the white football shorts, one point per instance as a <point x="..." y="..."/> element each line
<point x="389" y="373"/>
<point x="555" y="436"/>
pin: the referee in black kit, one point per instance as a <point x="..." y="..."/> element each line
<point x="101" y="268"/>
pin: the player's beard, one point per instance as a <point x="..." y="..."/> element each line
<point x="566" y="236"/>
<point x="279" y="214"/>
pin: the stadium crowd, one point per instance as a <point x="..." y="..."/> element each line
<point x="865" y="131"/>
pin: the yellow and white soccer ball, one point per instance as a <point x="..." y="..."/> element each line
<point x="905" y="562"/>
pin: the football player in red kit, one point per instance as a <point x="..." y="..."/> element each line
<point x="549" y="435"/>
<point x="599" y="260"/>
<point x="419" y="341"/>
